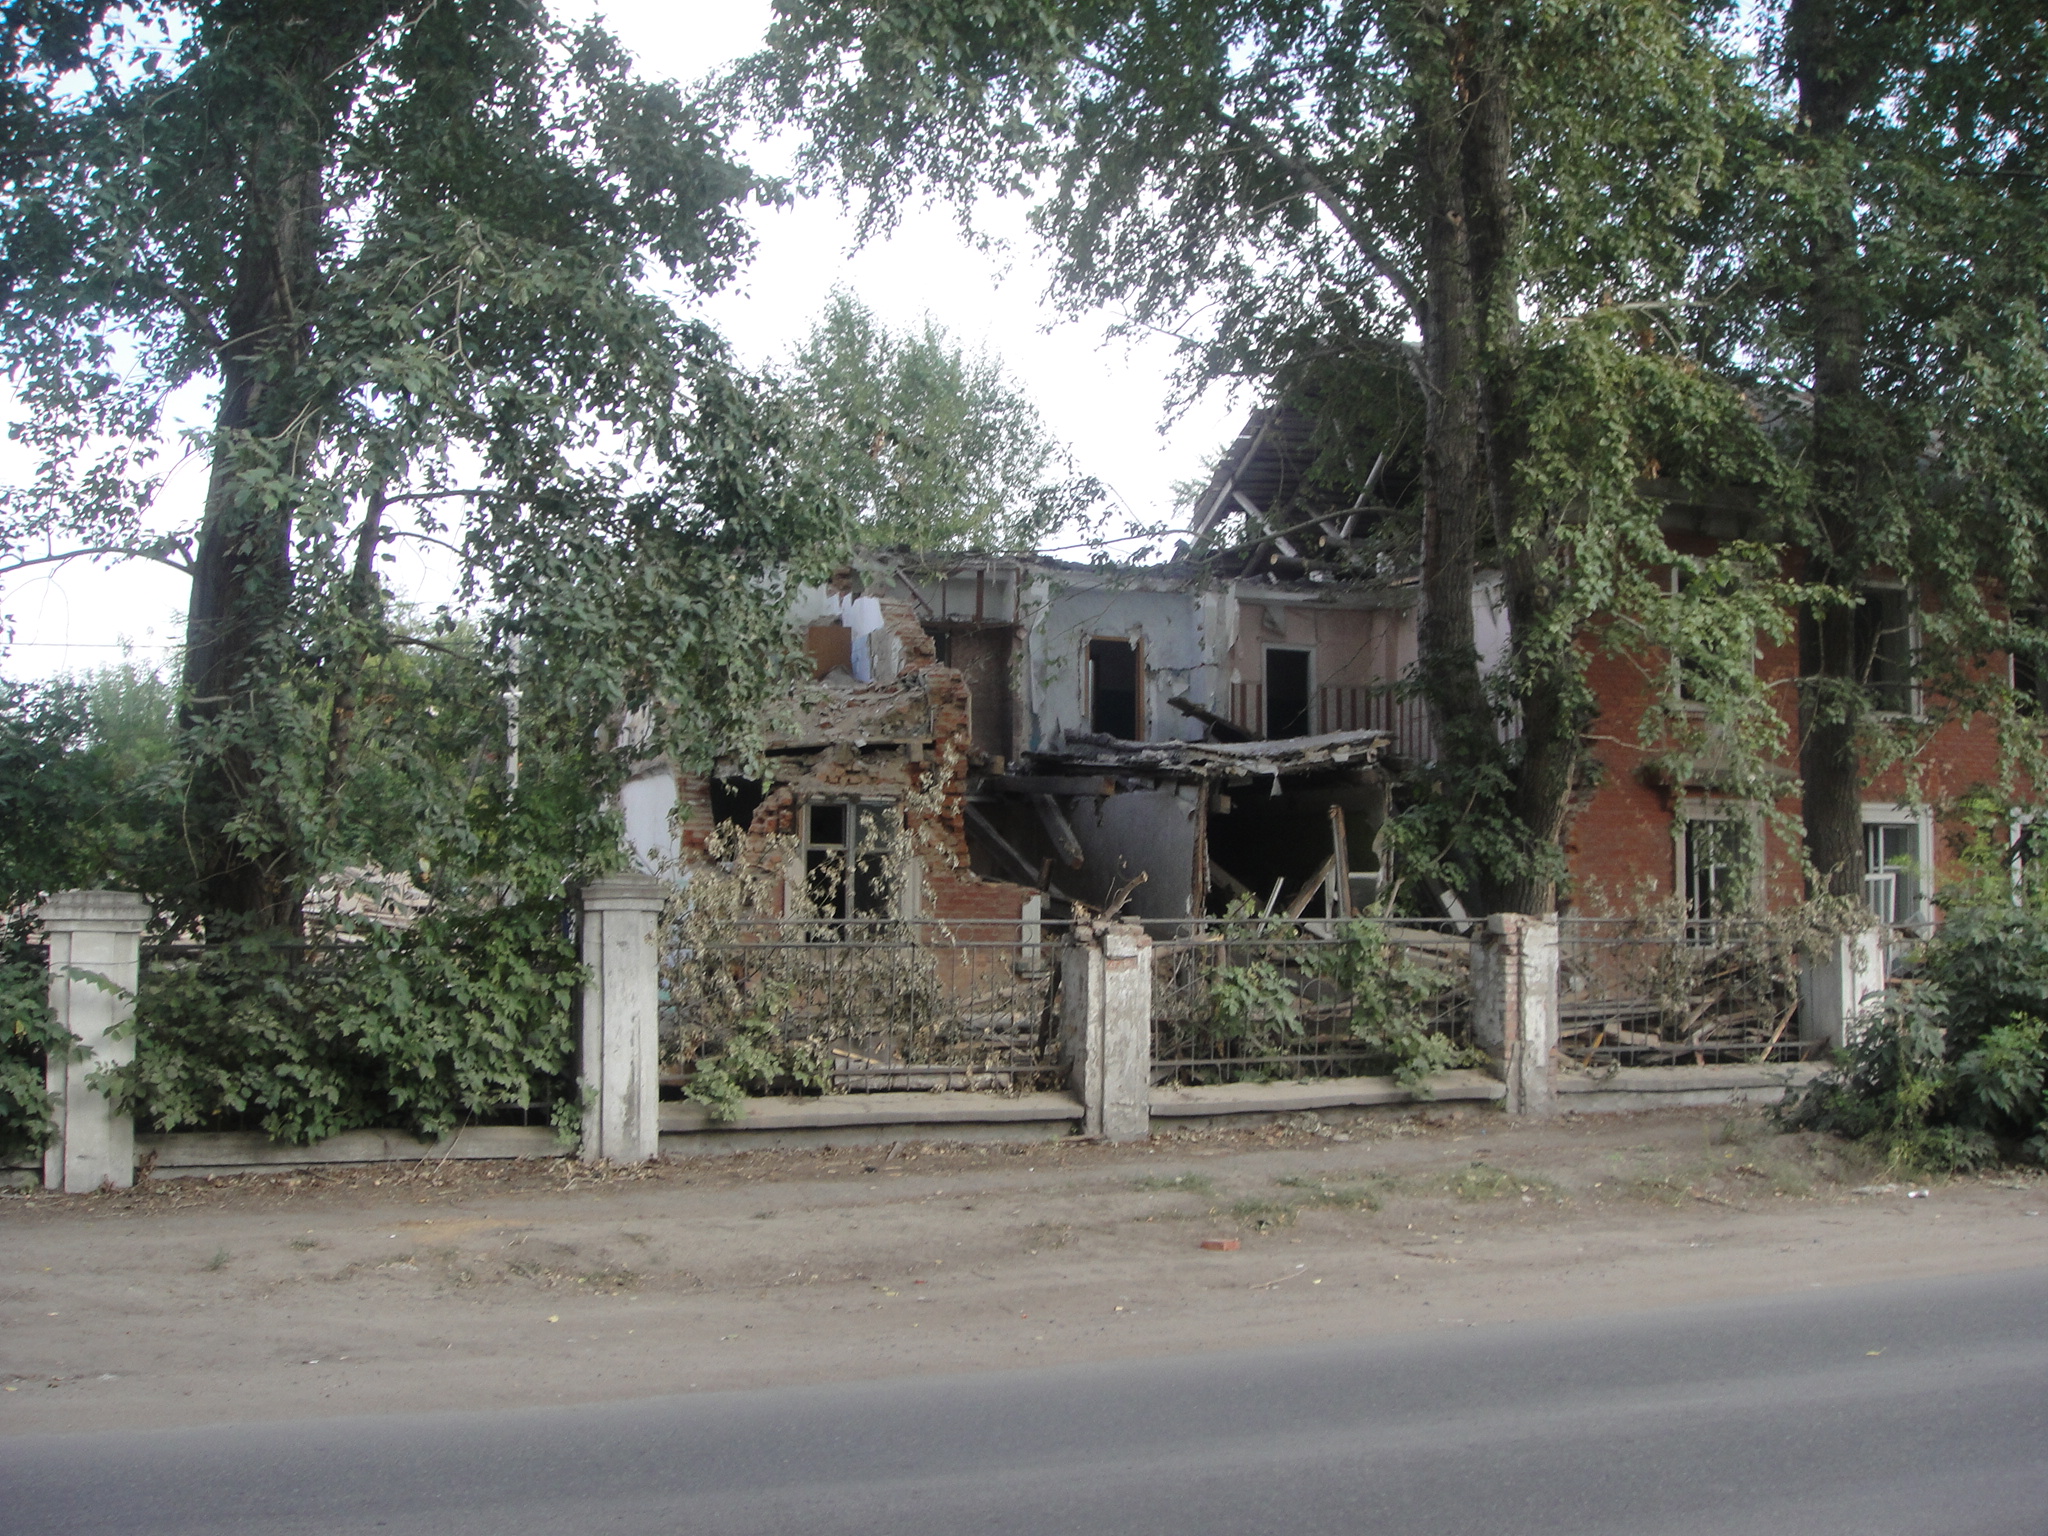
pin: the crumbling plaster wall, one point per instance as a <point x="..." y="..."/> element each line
<point x="1175" y="626"/>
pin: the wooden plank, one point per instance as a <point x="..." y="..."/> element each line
<point x="1054" y="820"/>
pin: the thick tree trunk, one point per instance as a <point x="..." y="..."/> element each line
<point x="241" y="586"/>
<point x="1471" y="349"/>
<point x="1548" y="746"/>
<point x="1831" y="700"/>
<point x="1454" y="482"/>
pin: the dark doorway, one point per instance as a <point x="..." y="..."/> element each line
<point x="1113" y="688"/>
<point x="1287" y="699"/>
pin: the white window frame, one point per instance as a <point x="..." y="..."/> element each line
<point x="1878" y="813"/>
<point x="1701" y="809"/>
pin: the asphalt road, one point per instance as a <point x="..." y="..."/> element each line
<point x="1917" y="1409"/>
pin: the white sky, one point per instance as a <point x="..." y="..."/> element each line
<point x="1106" y="399"/>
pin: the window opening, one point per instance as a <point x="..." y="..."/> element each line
<point x="1113" y="688"/>
<point x="1891" y="858"/>
<point x="1717" y="868"/>
<point x="1287" y="693"/>
<point x="1721" y="658"/>
<point x="735" y="800"/>
<point x="1884" y="648"/>
<point x="845" y="844"/>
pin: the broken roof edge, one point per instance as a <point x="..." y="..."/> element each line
<point x="1084" y="751"/>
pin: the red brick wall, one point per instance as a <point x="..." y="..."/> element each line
<point x="1621" y="848"/>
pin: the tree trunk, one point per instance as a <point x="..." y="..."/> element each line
<point x="1454" y="495"/>
<point x="1472" y="360"/>
<point x="1832" y="704"/>
<point x="241" y="586"/>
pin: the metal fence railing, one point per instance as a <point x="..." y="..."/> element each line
<point x="1256" y="1000"/>
<point x="864" y="1006"/>
<point x="1646" y="992"/>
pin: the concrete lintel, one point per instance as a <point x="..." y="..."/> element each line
<point x="94" y="912"/>
<point x="626" y="893"/>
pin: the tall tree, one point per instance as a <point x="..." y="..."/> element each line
<point x="1488" y="195"/>
<point x="932" y="447"/>
<point x="407" y="250"/>
<point x="1890" y="291"/>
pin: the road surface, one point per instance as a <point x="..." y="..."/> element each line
<point x="1910" y="1407"/>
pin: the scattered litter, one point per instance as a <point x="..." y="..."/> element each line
<point x="1267" y="1285"/>
<point x="1221" y="1244"/>
<point x="1918" y="1194"/>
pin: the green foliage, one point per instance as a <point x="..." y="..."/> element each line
<point x="429" y="1028"/>
<point x="1251" y="1000"/>
<point x="1265" y="989"/>
<point x="1392" y="999"/>
<point x="411" y="254"/>
<point x="1953" y="1073"/>
<point x="29" y="1035"/>
<point x="88" y="783"/>
<point x="931" y="447"/>
<point x="753" y="1059"/>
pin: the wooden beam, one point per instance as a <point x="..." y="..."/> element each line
<point x="1054" y="820"/>
<point x="1226" y="729"/>
<point x="1307" y="892"/>
<point x="1340" y="857"/>
<point x="1046" y="784"/>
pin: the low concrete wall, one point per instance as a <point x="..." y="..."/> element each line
<point x="1273" y="1099"/>
<point x="870" y="1119"/>
<point x="203" y="1154"/>
<point x="1695" y="1087"/>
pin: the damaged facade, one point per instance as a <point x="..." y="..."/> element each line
<point x="1163" y="739"/>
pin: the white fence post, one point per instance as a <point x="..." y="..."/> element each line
<point x="95" y="940"/>
<point x="1106" y="1028"/>
<point x="1837" y="988"/>
<point x="1514" y="1006"/>
<point x="621" y="1000"/>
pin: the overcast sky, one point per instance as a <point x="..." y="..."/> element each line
<point x="1106" y="399"/>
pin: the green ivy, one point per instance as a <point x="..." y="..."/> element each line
<point x="456" y="1018"/>
<point x="29" y="1033"/>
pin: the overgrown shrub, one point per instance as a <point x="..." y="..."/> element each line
<point x="1953" y="1073"/>
<point x="457" y="1018"/>
<point x="28" y="1033"/>
<point x="1262" y="991"/>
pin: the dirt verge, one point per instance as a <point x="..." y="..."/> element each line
<point x="405" y="1286"/>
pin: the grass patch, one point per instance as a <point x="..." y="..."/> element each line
<point x="1349" y="1197"/>
<point x="1266" y="1215"/>
<point x="1483" y="1181"/>
<point x="1191" y="1183"/>
<point x="219" y="1261"/>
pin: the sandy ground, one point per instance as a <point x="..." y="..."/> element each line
<point x="411" y="1287"/>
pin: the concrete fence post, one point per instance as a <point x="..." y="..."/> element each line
<point x="95" y="940"/>
<point x="620" y="1008"/>
<point x="1106" y="1028"/>
<point x="1514" y="1006"/>
<point x="1838" y="986"/>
